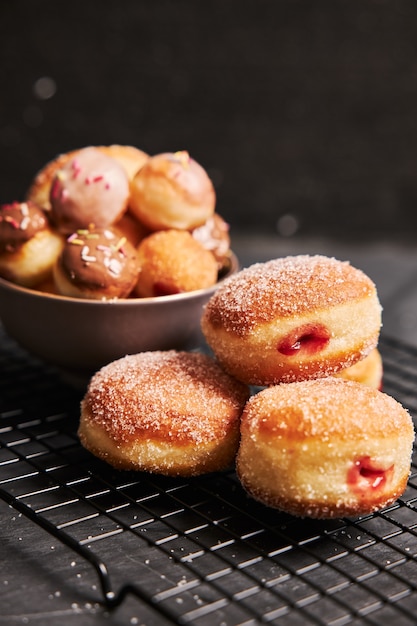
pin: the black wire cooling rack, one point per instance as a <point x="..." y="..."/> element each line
<point x="204" y="553"/>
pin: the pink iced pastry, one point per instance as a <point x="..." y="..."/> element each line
<point x="90" y="188"/>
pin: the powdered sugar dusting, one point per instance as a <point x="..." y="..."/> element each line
<point x="284" y="287"/>
<point x="172" y="396"/>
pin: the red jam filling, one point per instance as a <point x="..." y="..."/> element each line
<point x="308" y="339"/>
<point x="163" y="289"/>
<point x="366" y="475"/>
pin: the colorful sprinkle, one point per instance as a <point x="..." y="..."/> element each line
<point x="184" y="158"/>
<point x="25" y="223"/>
<point x="11" y="221"/>
<point x="120" y="244"/>
<point x="114" y="267"/>
<point x="76" y="168"/>
<point x="85" y="255"/>
<point x="56" y="187"/>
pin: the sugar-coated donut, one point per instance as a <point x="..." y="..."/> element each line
<point x="96" y="263"/>
<point x="368" y="371"/>
<point x="90" y="188"/>
<point x="28" y="245"/>
<point x="325" y="448"/>
<point x="214" y="235"/>
<point x="171" y="262"/>
<point x="172" y="190"/>
<point x="173" y="413"/>
<point x="292" y="318"/>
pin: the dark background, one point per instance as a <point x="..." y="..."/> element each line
<point x="303" y="112"/>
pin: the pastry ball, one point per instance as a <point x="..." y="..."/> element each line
<point x="325" y="448"/>
<point x="28" y="245"/>
<point x="214" y="235"/>
<point x="292" y="318"/>
<point x="171" y="190"/>
<point x="40" y="187"/>
<point x="172" y="413"/>
<point x="90" y="188"/>
<point x="368" y="371"/>
<point x="97" y="264"/>
<point x="133" y="230"/>
<point x="129" y="157"/>
<point x="171" y="262"/>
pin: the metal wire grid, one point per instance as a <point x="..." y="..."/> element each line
<point x="201" y="550"/>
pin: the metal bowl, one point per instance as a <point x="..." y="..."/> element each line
<point x="82" y="335"/>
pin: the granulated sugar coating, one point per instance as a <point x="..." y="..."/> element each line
<point x="285" y="287"/>
<point x="291" y="319"/>
<point x="325" y="448"/>
<point x="326" y="408"/>
<point x="167" y="396"/>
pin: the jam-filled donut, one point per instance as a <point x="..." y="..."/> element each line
<point x="172" y="190"/>
<point x="173" y="413"/>
<point x="214" y="235"/>
<point x="325" y="448"/>
<point x="90" y="188"/>
<point x="368" y="371"/>
<point x="96" y="263"/>
<point x="171" y="262"/>
<point x="292" y="318"/>
<point x="29" y="246"/>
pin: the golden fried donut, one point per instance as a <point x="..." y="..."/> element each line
<point x="28" y="245"/>
<point x="171" y="190"/>
<point x="292" y="318"/>
<point x="214" y="235"/>
<point x="173" y="413"/>
<point x="368" y="371"/>
<point x="40" y="187"/>
<point x="96" y="263"/>
<point x="172" y="261"/>
<point x="129" y="157"/>
<point x="133" y="230"/>
<point x="325" y="448"/>
<point x="90" y="188"/>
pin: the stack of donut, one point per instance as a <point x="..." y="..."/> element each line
<point x="320" y="439"/>
<point x="106" y="222"/>
<point x="292" y="395"/>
